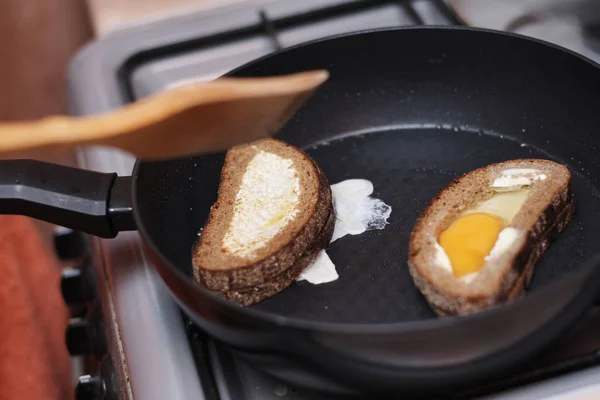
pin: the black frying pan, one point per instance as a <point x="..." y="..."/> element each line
<point x="410" y="110"/>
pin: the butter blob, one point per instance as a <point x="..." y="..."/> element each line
<point x="356" y="212"/>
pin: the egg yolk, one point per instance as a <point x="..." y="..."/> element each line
<point x="469" y="239"/>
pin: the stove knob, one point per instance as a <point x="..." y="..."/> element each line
<point x="69" y="244"/>
<point x="73" y="287"/>
<point x="101" y="386"/>
<point x="85" y="336"/>
<point x="80" y="337"/>
<point x="78" y="288"/>
<point x="89" y="388"/>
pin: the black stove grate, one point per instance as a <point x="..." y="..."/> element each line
<point x="272" y="24"/>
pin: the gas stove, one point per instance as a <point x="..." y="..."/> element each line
<point x="136" y="341"/>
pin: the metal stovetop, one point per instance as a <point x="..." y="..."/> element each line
<point x="162" y="356"/>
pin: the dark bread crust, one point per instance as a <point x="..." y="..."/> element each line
<point x="520" y="280"/>
<point x="544" y="215"/>
<point x="248" y="296"/>
<point x="286" y="248"/>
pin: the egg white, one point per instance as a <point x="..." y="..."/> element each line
<point x="513" y="187"/>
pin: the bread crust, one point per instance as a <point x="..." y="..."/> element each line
<point x="248" y="296"/>
<point x="283" y="251"/>
<point x="548" y="209"/>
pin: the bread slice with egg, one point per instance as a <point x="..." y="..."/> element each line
<point x="274" y="212"/>
<point x="477" y="243"/>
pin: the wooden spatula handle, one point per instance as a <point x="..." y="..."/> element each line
<point x="175" y="117"/>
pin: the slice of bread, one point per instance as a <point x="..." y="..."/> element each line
<point x="504" y="276"/>
<point x="273" y="214"/>
<point x="254" y="294"/>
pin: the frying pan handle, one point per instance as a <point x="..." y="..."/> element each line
<point x="96" y="203"/>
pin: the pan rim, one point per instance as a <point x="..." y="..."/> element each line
<point x="286" y="322"/>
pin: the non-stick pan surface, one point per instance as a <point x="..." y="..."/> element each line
<point x="410" y="110"/>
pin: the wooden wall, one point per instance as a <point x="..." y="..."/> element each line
<point x="37" y="39"/>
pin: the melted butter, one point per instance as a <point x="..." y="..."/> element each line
<point x="322" y="270"/>
<point x="356" y="212"/>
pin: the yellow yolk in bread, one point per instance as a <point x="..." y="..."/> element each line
<point x="469" y="239"/>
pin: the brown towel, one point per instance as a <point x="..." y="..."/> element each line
<point x="34" y="361"/>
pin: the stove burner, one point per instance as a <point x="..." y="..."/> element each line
<point x="235" y="379"/>
<point x="591" y="36"/>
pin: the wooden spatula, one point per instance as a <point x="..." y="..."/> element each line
<point x="195" y="118"/>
